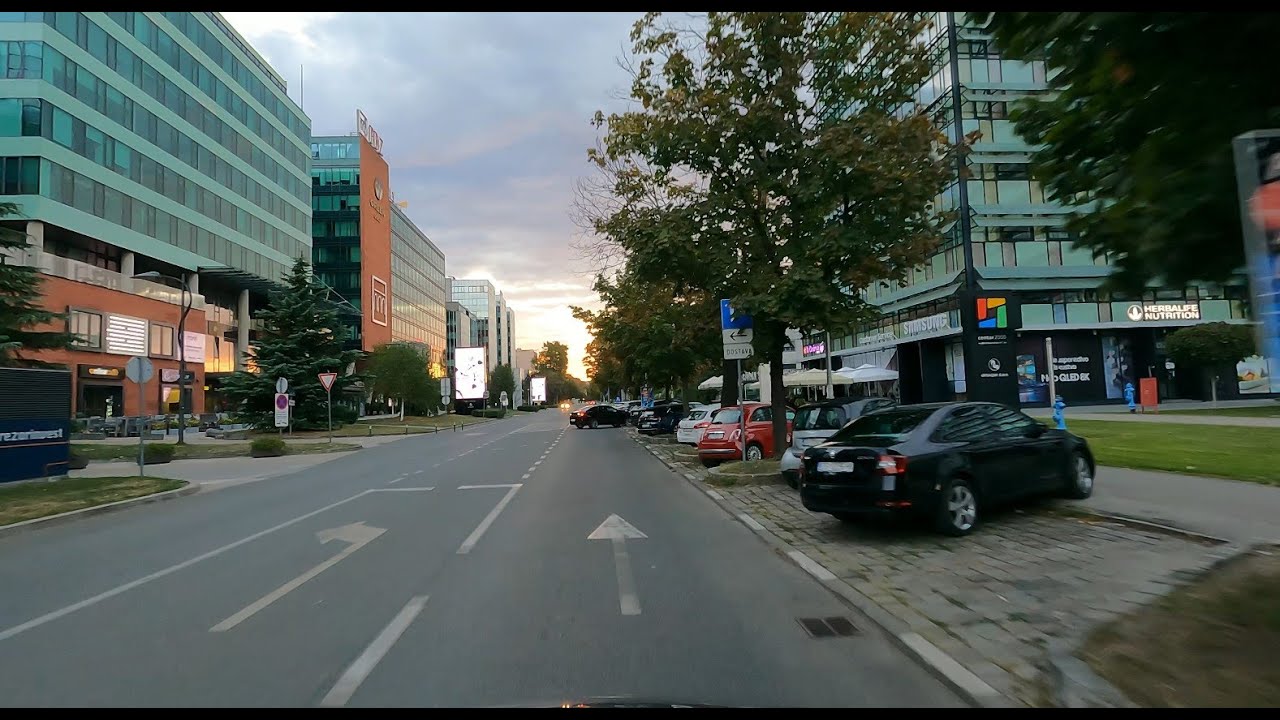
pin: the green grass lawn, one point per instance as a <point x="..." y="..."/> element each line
<point x="393" y="426"/>
<point x="30" y="500"/>
<point x="103" y="452"/>
<point x="1265" y="411"/>
<point x="1240" y="453"/>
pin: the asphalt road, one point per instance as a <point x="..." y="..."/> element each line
<point x="446" y="570"/>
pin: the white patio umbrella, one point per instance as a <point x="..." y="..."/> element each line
<point x="868" y="373"/>
<point x="712" y="383"/>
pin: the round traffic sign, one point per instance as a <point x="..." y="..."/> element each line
<point x="282" y="384"/>
<point x="282" y="401"/>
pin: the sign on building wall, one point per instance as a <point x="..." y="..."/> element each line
<point x="124" y="335"/>
<point x="991" y="321"/>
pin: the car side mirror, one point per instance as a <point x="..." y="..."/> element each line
<point x="1037" y="430"/>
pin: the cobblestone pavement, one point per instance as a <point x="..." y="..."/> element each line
<point x="991" y="600"/>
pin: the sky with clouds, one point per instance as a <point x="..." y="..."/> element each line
<point x="486" y="121"/>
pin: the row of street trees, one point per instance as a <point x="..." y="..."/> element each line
<point x="775" y="159"/>
<point x="779" y="159"/>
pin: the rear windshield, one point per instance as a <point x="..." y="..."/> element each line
<point x="819" y="417"/>
<point x="728" y="416"/>
<point x="697" y="414"/>
<point x="895" y="424"/>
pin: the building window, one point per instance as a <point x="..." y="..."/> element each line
<point x="162" y="339"/>
<point x="87" y="326"/>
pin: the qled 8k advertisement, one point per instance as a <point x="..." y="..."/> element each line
<point x="469" y="377"/>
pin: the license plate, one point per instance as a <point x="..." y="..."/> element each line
<point x="715" y="435"/>
<point x="809" y="442"/>
<point x="835" y="467"/>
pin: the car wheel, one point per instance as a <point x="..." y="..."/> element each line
<point x="754" y="452"/>
<point x="1079" y="478"/>
<point x="792" y="481"/>
<point x="617" y="424"/>
<point x="594" y="423"/>
<point x="958" y="508"/>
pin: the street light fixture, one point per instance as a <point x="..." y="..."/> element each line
<point x="182" y="350"/>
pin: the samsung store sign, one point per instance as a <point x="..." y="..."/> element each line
<point x="932" y="323"/>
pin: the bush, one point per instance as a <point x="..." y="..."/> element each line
<point x="529" y="408"/>
<point x="493" y="413"/>
<point x="267" y="447"/>
<point x="344" y="415"/>
<point x="156" y="453"/>
<point x="76" y="461"/>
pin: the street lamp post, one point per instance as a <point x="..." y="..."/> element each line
<point x="182" y="350"/>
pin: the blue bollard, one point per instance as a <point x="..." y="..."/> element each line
<point x="1129" y="395"/>
<point x="1059" y="416"/>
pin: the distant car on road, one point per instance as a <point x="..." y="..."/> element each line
<point x="593" y="416"/>
<point x="817" y="422"/>
<point x="945" y="462"/>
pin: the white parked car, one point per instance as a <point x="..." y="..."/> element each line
<point x="689" y="430"/>
<point x="816" y="422"/>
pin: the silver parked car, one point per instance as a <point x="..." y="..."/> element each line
<point x="819" y="421"/>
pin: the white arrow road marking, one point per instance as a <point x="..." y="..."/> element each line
<point x="360" y="668"/>
<point x="357" y="535"/>
<point x="105" y="595"/>
<point x="474" y="537"/>
<point x="617" y="530"/>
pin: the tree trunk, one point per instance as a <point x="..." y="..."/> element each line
<point x="729" y="391"/>
<point x="777" y="339"/>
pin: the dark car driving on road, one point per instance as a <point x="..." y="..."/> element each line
<point x="593" y="416"/>
<point x="946" y="462"/>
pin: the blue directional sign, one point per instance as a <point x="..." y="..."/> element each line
<point x="730" y="320"/>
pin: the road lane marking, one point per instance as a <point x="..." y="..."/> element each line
<point x="537" y="463"/>
<point x="488" y="487"/>
<point x="750" y="521"/>
<point x="617" y="530"/>
<point x="475" y="535"/>
<point x="524" y="476"/>
<point x="106" y="595"/>
<point x="393" y="482"/>
<point x="362" y="666"/>
<point x="811" y="566"/>
<point x="412" y="489"/>
<point x="356" y="534"/>
<point x="418" y="472"/>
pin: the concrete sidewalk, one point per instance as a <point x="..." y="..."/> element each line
<point x="1241" y="512"/>
<point x="214" y="473"/>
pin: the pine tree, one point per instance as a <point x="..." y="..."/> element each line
<point x="299" y="341"/>
<point x="19" y="289"/>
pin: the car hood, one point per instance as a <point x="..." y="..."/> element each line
<point x="613" y="702"/>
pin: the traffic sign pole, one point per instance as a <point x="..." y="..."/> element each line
<point x="327" y="380"/>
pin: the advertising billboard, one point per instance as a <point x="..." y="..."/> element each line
<point x="1257" y="158"/>
<point x="538" y="390"/>
<point x="35" y="423"/>
<point x="470" y="376"/>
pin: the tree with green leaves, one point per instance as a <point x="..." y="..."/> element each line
<point x="553" y="358"/>
<point x="796" y="166"/>
<point x="1135" y="136"/>
<point x="400" y="371"/>
<point x="501" y="379"/>
<point x="299" y="340"/>
<point x="1211" y="347"/>
<point x="24" y="324"/>
<point x="664" y="344"/>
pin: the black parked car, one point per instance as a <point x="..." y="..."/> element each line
<point x="661" y="419"/>
<point x="946" y="462"/>
<point x="593" y="416"/>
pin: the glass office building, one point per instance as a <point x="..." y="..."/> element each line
<point x="1011" y="243"/>
<point x="140" y="142"/>
<point x="461" y="331"/>
<point x="480" y="299"/>
<point x="368" y="251"/>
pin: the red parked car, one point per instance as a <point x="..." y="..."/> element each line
<point x="721" y="439"/>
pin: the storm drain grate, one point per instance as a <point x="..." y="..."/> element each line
<point x="828" y="627"/>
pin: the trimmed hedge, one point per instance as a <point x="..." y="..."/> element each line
<point x="267" y="447"/>
<point x="157" y="453"/>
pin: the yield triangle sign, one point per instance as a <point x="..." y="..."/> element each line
<point x="326" y="379"/>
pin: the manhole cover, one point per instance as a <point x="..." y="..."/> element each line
<point x="828" y="627"/>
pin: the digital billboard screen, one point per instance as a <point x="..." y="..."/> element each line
<point x="470" y="376"/>
<point x="538" y="390"/>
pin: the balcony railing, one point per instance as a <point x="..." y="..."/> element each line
<point x="83" y="272"/>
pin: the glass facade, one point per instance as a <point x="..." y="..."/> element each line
<point x="167" y="126"/>
<point x="480" y="299"/>
<point x="419" y="289"/>
<point x="335" y="232"/>
<point x="1015" y="233"/>
<point x="461" y="330"/>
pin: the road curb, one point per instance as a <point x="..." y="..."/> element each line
<point x="1140" y="524"/>
<point x="51" y="520"/>
<point x="971" y="688"/>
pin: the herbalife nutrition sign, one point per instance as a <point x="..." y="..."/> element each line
<point x="1163" y="312"/>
